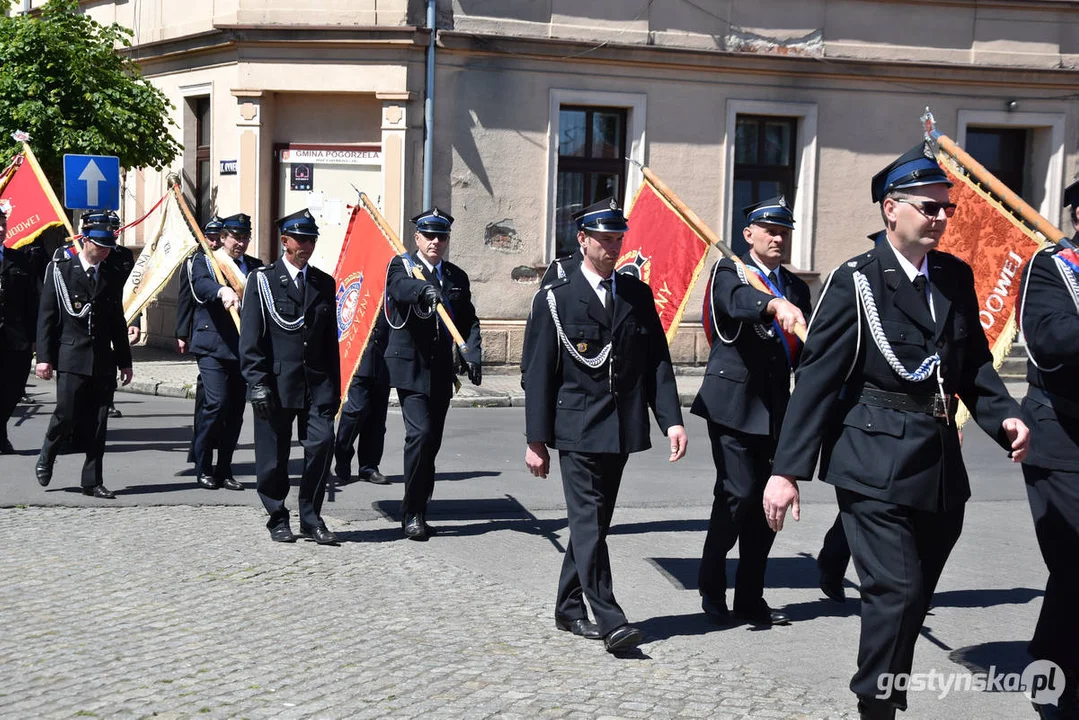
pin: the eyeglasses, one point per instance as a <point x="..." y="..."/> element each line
<point x="930" y="208"/>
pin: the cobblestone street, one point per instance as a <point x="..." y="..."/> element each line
<point x="184" y="611"/>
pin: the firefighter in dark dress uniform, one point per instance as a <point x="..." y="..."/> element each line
<point x="20" y="295"/>
<point x="185" y="319"/>
<point x="421" y="356"/>
<point x="289" y="358"/>
<point x="215" y="342"/>
<point x="598" y="360"/>
<point x="743" y="397"/>
<point x="361" y="431"/>
<point x="1049" y="319"/>
<point x="895" y="337"/>
<point x="82" y="336"/>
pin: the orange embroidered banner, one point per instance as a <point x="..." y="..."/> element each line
<point x="996" y="245"/>
<point x="664" y="250"/>
<point x="28" y="201"/>
<point x="361" y="283"/>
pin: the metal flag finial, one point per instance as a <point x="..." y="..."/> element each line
<point x="931" y="134"/>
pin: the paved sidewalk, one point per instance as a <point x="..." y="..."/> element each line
<point x="163" y="372"/>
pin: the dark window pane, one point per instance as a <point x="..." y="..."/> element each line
<point x="777" y="143"/>
<point x="745" y="142"/>
<point x="743" y="196"/>
<point x="604" y="186"/>
<point x="572" y="133"/>
<point x="203" y="192"/>
<point x="606" y="135"/>
<point x="203" y="111"/>
<point x="570" y="199"/>
<point x="1003" y="152"/>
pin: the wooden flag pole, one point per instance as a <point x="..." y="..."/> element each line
<point x="989" y="181"/>
<point x="699" y="225"/>
<point x="416" y="272"/>
<point x="219" y="276"/>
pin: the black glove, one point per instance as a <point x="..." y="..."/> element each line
<point x="475" y="372"/>
<point x="430" y="296"/>
<point x="262" y="401"/>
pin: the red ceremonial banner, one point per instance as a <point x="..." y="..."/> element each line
<point x="28" y="202"/>
<point x="361" y="284"/>
<point x="996" y="246"/>
<point x="663" y="250"/>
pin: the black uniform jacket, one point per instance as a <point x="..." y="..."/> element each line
<point x="373" y="363"/>
<point x="1050" y="325"/>
<point x="422" y="343"/>
<point x="20" y="295"/>
<point x="185" y="304"/>
<point x="298" y="365"/>
<point x="92" y="345"/>
<point x="214" y="333"/>
<point x="747" y="382"/>
<point x="569" y="406"/>
<point x="907" y="458"/>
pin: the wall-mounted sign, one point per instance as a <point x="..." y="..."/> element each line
<point x="301" y="177"/>
<point x="228" y="167"/>
<point x="333" y="156"/>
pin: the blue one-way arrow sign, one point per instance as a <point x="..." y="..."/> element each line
<point x="91" y="182"/>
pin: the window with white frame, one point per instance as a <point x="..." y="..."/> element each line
<point x="771" y="149"/>
<point x="591" y="135"/>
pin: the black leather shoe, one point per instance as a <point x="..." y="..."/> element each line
<point x="282" y="533"/>
<point x="716" y="611"/>
<point x="761" y="614"/>
<point x="832" y="587"/>
<point x="321" y="534"/>
<point x="375" y="478"/>
<point x="430" y="530"/>
<point x="579" y="626"/>
<point x="873" y="709"/>
<point x="43" y="470"/>
<point x="98" y="491"/>
<point x="622" y="639"/>
<point x="114" y="413"/>
<point x="231" y="483"/>
<point x="6" y="448"/>
<point x="208" y="482"/>
<point x="414" y="529"/>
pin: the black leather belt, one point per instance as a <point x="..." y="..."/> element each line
<point x="929" y="404"/>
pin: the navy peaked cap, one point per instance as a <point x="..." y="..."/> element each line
<point x="213" y="226"/>
<point x="774" y="211"/>
<point x="433" y="222"/>
<point x="240" y="222"/>
<point x="914" y="168"/>
<point x="298" y="223"/>
<point x="604" y="216"/>
<point x="100" y="219"/>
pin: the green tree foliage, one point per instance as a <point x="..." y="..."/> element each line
<point x="64" y="81"/>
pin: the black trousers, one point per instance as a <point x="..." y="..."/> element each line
<point x="425" y="419"/>
<point x="222" y="416"/>
<point x="1054" y="504"/>
<point x="743" y="465"/>
<point x="273" y="441"/>
<point x="199" y="399"/>
<point x="834" y="555"/>
<point x="82" y="412"/>
<point x="361" y="431"/>
<point x="14" y="370"/>
<point x="590" y="482"/>
<point x="899" y="553"/>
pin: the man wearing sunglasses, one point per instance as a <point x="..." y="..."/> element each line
<point x="894" y="340"/>
<point x="421" y="355"/>
<point x="289" y="358"/>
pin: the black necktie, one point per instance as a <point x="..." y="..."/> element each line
<point x="608" y="299"/>
<point x="91" y="275"/>
<point x="774" y="279"/>
<point x="920" y="282"/>
<point x="299" y="283"/>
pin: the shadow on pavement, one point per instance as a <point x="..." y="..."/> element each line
<point x="660" y="526"/>
<point x="1004" y="656"/>
<point x="786" y="572"/>
<point x="985" y="597"/>
<point x="177" y="487"/>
